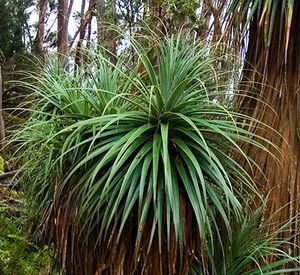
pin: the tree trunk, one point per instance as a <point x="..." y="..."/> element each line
<point x="87" y="18"/>
<point x="78" y="55"/>
<point x="82" y="31"/>
<point x="100" y="19"/>
<point x="106" y="37"/>
<point x="111" y="35"/>
<point x="64" y="12"/>
<point x="89" y="35"/>
<point x="39" y="39"/>
<point x="277" y="67"/>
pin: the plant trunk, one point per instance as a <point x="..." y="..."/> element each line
<point x="279" y="90"/>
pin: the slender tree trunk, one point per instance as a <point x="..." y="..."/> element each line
<point x="156" y="18"/>
<point x="84" y="23"/>
<point x="82" y="31"/>
<point x="64" y="12"/>
<point x="106" y="36"/>
<point x="100" y="21"/>
<point x="62" y="28"/>
<point x="89" y="35"/>
<point x="78" y="55"/>
<point x="112" y="39"/>
<point x="39" y="39"/>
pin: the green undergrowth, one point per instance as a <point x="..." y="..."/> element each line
<point x="18" y="255"/>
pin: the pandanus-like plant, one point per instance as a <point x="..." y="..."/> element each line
<point x="131" y="168"/>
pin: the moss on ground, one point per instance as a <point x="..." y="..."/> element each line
<point x="18" y="256"/>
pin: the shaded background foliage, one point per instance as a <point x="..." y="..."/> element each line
<point x="13" y="21"/>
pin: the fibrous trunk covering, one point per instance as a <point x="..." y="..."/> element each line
<point x="273" y="68"/>
<point x="87" y="256"/>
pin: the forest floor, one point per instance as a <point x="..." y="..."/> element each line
<point x="18" y="254"/>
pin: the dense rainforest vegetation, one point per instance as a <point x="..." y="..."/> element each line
<point x="149" y="137"/>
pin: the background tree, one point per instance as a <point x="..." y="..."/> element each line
<point x="13" y="18"/>
<point x="63" y="16"/>
<point x="82" y="34"/>
<point x="38" y="46"/>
